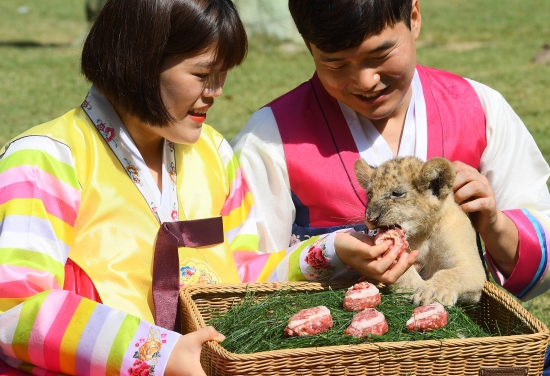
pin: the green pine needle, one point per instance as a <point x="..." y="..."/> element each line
<point x="257" y="322"/>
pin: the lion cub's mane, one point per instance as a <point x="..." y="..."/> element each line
<point x="418" y="197"/>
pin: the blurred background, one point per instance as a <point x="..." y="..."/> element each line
<point x="499" y="43"/>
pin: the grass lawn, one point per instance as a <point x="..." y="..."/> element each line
<point x="485" y="40"/>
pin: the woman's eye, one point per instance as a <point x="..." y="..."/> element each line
<point x="201" y="75"/>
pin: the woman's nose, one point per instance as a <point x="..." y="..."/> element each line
<point x="212" y="91"/>
<point x="214" y="85"/>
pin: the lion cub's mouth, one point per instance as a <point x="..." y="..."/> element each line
<point x="391" y="227"/>
<point x="380" y="229"/>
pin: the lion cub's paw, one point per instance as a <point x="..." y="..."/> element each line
<point x="430" y="294"/>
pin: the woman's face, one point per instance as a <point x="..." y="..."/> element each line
<point x="189" y="83"/>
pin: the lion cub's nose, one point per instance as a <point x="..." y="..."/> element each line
<point x="371" y="217"/>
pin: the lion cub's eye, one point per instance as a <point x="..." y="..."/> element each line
<point x="398" y="193"/>
<point x="369" y="195"/>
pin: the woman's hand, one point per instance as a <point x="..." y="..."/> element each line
<point x="185" y="357"/>
<point x="358" y="251"/>
<point x="475" y="196"/>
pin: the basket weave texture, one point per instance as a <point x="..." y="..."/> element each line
<point x="497" y="312"/>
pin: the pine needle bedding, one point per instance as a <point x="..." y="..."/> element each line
<point x="256" y="323"/>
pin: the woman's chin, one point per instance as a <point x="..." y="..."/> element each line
<point x="188" y="138"/>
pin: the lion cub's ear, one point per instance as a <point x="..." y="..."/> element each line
<point x="438" y="175"/>
<point x="363" y="172"/>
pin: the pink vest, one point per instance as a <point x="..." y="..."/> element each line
<point x="320" y="150"/>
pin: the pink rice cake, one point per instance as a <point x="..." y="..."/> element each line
<point x="360" y="296"/>
<point x="367" y="322"/>
<point x="428" y="318"/>
<point x="397" y="236"/>
<point x="309" y="322"/>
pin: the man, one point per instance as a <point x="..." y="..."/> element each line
<point x="369" y="99"/>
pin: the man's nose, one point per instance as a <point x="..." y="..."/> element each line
<point x="367" y="79"/>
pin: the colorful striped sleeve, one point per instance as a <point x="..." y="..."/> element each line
<point x="530" y="276"/>
<point x="238" y="211"/>
<point x="43" y="329"/>
<point x="312" y="259"/>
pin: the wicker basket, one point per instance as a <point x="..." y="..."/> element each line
<point x="497" y="312"/>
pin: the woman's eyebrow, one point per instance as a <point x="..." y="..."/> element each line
<point x="204" y="64"/>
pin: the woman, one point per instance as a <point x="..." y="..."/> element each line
<point x="107" y="210"/>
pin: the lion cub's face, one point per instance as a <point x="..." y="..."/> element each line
<point x="405" y="192"/>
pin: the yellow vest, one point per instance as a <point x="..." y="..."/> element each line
<point x="115" y="230"/>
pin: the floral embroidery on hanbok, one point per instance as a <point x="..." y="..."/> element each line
<point x="155" y="211"/>
<point x="107" y="132"/>
<point x="147" y="353"/>
<point x="133" y="172"/>
<point x="195" y="271"/>
<point x="86" y="104"/>
<point x="317" y="260"/>
<point x="187" y="272"/>
<point x="174" y="213"/>
<point x="113" y="131"/>
<point x="172" y="174"/>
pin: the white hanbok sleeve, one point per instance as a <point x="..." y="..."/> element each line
<point x="261" y="156"/>
<point x="517" y="172"/>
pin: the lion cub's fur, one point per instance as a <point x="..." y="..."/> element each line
<point x="418" y="197"/>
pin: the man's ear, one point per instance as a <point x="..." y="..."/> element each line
<point x="308" y="45"/>
<point x="363" y="172"/>
<point x="437" y="175"/>
<point x="416" y="19"/>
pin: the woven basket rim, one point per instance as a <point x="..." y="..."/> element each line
<point x="540" y="331"/>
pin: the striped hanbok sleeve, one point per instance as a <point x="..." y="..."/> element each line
<point x="238" y="211"/>
<point x="312" y="259"/>
<point x="530" y="276"/>
<point x="44" y="329"/>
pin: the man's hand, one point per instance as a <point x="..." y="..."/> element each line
<point x="358" y="251"/>
<point x="475" y="196"/>
<point x="185" y="357"/>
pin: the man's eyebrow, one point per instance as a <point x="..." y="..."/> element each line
<point x="384" y="46"/>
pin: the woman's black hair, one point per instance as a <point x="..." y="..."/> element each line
<point x="130" y="39"/>
<point x="336" y="25"/>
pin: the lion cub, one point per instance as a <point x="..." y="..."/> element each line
<point x="417" y="196"/>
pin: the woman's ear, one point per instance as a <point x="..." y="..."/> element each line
<point x="437" y="175"/>
<point x="363" y="172"/>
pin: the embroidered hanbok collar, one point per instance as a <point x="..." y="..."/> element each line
<point x="414" y="141"/>
<point x="107" y="122"/>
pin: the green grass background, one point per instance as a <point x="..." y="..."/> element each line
<point x="485" y="40"/>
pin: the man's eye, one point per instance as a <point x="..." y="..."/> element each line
<point x="335" y="68"/>
<point x="381" y="57"/>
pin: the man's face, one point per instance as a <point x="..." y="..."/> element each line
<point x="373" y="78"/>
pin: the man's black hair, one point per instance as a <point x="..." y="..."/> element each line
<point x="336" y="25"/>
